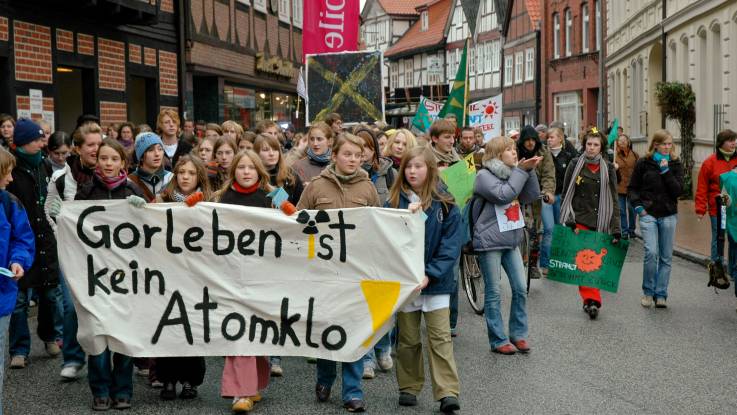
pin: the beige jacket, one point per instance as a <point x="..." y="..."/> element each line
<point x="327" y="192"/>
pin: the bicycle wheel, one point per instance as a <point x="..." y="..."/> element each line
<point x="473" y="282"/>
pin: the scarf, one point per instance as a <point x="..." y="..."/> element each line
<point x="127" y="144"/>
<point x="498" y="168"/>
<point x="245" y="190"/>
<point x="181" y="197"/>
<point x="111" y="183"/>
<point x="321" y="159"/>
<point x="32" y="160"/>
<point x="556" y="151"/>
<point x="448" y="158"/>
<point x="605" y="196"/>
<point x="342" y="178"/>
<point x="726" y="155"/>
<point x="396" y="161"/>
<point x="658" y="157"/>
<point x="151" y="178"/>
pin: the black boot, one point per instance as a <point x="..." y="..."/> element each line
<point x="169" y="392"/>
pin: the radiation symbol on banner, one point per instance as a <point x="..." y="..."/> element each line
<point x="311" y="229"/>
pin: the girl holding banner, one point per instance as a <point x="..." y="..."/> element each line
<point x="590" y="201"/>
<point x="417" y="190"/>
<point x="111" y="381"/>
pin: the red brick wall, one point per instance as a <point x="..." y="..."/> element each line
<point x="134" y="53"/>
<point x="167" y="6"/>
<point x="64" y="40"/>
<point x="149" y="56"/>
<point x="168" y="73"/>
<point x="32" y="52"/>
<point x="85" y="44"/>
<point x="259" y="27"/>
<point x="113" y="112"/>
<point x="23" y="103"/>
<point x="4" y="28"/>
<point x="111" y="64"/>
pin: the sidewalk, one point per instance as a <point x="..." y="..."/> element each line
<point x="693" y="237"/>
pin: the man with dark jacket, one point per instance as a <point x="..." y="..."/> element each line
<point x="30" y="181"/>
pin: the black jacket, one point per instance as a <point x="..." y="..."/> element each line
<point x="30" y="186"/>
<point x="561" y="161"/>
<point x="657" y="193"/>
<point x="585" y="201"/>
<point x="96" y="190"/>
<point x="293" y="187"/>
<point x="255" y="199"/>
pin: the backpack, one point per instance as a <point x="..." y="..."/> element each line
<point x="717" y="277"/>
<point x="468" y="246"/>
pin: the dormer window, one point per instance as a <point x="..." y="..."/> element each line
<point x="424" y="21"/>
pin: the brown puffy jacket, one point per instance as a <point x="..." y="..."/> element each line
<point x="626" y="166"/>
<point x="327" y="192"/>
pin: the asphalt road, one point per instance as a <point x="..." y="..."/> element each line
<point x="631" y="360"/>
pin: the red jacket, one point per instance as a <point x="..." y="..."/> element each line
<point x="708" y="186"/>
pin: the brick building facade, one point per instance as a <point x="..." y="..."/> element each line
<point x="242" y="60"/>
<point x="88" y="62"/>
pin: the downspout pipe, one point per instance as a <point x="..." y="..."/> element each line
<point x="664" y="40"/>
<point x="182" y="35"/>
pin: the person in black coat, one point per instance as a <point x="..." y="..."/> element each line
<point x="30" y="181"/>
<point x="654" y="188"/>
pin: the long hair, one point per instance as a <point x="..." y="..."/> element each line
<point x="284" y="173"/>
<point x="160" y="120"/>
<point x="429" y="191"/>
<point x="202" y="181"/>
<point x="263" y="175"/>
<point x="658" y="138"/>
<point x="410" y="141"/>
<point x="369" y="140"/>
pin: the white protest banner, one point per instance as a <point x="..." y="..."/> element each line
<point x="433" y="107"/>
<point x="487" y="114"/>
<point x="225" y="280"/>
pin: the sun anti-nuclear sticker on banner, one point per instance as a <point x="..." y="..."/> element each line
<point x="509" y="217"/>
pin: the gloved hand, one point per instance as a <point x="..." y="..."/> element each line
<point x="288" y="208"/>
<point x="55" y="207"/>
<point x="194" y="199"/>
<point x="136" y="201"/>
<point x="616" y="237"/>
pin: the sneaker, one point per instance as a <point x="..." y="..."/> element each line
<point x="72" y="371"/>
<point x="241" y="405"/>
<point x="121" y="403"/>
<point x="385" y="361"/>
<point x="189" y="391"/>
<point x="322" y="393"/>
<point x="506" y="349"/>
<point x="255" y="398"/>
<point x="276" y="370"/>
<point x="18" y="362"/>
<point x="52" y="349"/>
<point x="157" y="384"/>
<point x="407" y="399"/>
<point x="660" y="303"/>
<point x="101" y="404"/>
<point x="355" y="405"/>
<point x="368" y="372"/>
<point x="169" y="392"/>
<point x="646" y="301"/>
<point x="143" y="373"/>
<point x="449" y="404"/>
<point x="593" y="311"/>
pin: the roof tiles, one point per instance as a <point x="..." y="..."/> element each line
<point x="402" y="7"/>
<point x="438" y="14"/>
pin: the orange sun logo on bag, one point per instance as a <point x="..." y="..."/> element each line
<point x="587" y="260"/>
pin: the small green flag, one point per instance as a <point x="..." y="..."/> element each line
<point x="460" y="178"/>
<point x="421" y="120"/>
<point x="613" y="132"/>
<point x="457" y="99"/>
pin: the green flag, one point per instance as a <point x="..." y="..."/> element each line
<point x="613" y="132"/>
<point x="421" y="120"/>
<point x="457" y="99"/>
<point x="460" y="178"/>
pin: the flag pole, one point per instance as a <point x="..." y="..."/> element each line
<point x="467" y="86"/>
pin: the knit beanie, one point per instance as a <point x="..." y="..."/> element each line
<point x="26" y="131"/>
<point x="144" y="141"/>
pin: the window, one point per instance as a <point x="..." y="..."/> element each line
<point x="518" y="57"/>
<point x="569" y="32"/>
<point x="598" y="24"/>
<point x="408" y="73"/>
<point x="529" y="64"/>
<point x="585" y="28"/>
<point x="472" y="61"/>
<point x="493" y="49"/>
<point x="556" y="36"/>
<point x="508" y="62"/>
<point x="284" y="10"/>
<point x="394" y="75"/>
<point x="568" y="111"/>
<point x="424" y="20"/>
<point x="297" y="14"/>
<point x="511" y="123"/>
<point x="480" y="55"/>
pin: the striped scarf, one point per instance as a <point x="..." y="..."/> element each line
<point x="606" y="208"/>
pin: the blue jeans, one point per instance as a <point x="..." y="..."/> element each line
<point x="114" y="380"/>
<point x="50" y="324"/>
<point x="658" y="235"/>
<point x="491" y="263"/>
<point x="381" y="348"/>
<point x="551" y="216"/>
<point x="626" y="210"/>
<point x="4" y="323"/>
<point x="719" y="256"/>
<point x="352" y="373"/>
<point x="71" y="350"/>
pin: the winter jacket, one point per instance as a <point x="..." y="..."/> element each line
<point x="293" y="187"/>
<point x="383" y="178"/>
<point x="586" y="196"/>
<point x="256" y="199"/>
<point x="656" y="192"/>
<point x="96" y="190"/>
<point x="66" y="180"/>
<point x="708" y="184"/>
<point x="308" y="169"/>
<point x="327" y="192"/>
<point x="443" y="240"/>
<point x="624" y="172"/>
<point x="561" y="162"/>
<point x="17" y="246"/>
<point x="546" y="168"/>
<point x="30" y="187"/>
<point x="148" y="189"/>
<point x="498" y="184"/>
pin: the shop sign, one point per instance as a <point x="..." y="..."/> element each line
<point x="274" y="65"/>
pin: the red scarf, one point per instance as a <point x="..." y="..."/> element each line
<point x="245" y="190"/>
<point x="111" y="182"/>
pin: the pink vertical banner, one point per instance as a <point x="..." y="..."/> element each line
<point x="330" y="26"/>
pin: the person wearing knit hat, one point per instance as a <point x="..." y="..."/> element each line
<point x="150" y="176"/>
<point x="542" y="132"/>
<point x="30" y="179"/>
